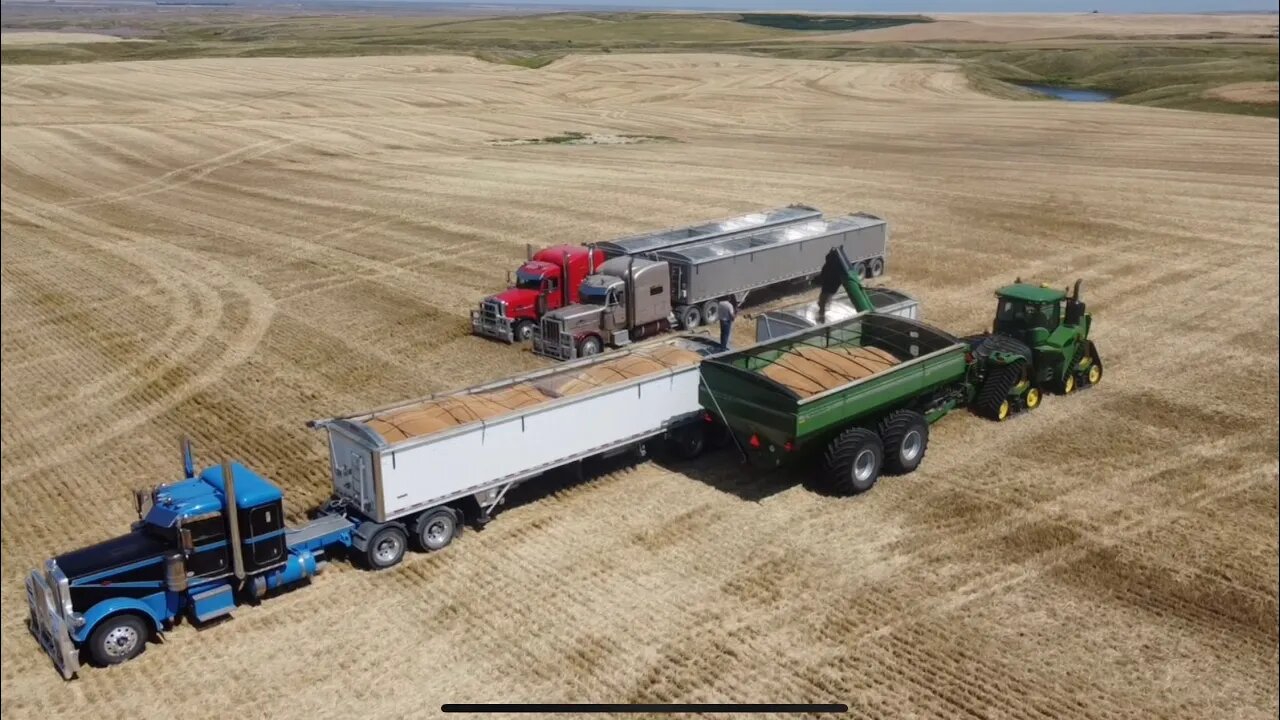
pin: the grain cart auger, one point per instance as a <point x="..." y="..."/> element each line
<point x="1039" y="341"/>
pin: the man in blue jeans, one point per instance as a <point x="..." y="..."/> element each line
<point x="726" y="312"/>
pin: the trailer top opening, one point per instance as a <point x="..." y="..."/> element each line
<point x="659" y="239"/>
<point x="709" y="250"/>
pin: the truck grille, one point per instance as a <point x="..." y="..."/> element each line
<point x="492" y="321"/>
<point x="552" y="341"/>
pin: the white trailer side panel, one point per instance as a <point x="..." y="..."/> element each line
<point x="487" y="454"/>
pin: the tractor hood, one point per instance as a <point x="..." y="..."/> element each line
<point x="118" y="553"/>
<point x="517" y="300"/>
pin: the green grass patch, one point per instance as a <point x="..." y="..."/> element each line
<point x="828" y="23"/>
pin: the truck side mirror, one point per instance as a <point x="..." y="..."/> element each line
<point x="184" y="540"/>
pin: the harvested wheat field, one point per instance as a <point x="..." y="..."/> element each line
<point x="229" y="248"/>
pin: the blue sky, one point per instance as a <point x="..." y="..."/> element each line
<point x="908" y="6"/>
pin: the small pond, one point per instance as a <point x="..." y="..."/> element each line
<point x="1070" y="94"/>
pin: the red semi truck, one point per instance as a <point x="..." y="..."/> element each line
<point x="551" y="277"/>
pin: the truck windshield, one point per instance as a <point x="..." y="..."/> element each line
<point x="526" y="280"/>
<point x="593" y="295"/>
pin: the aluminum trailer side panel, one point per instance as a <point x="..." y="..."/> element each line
<point x="671" y="237"/>
<point x="697" y="277"/>
<point x="424" y="472"/>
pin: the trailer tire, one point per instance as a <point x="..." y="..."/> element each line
<point x="688" y="442"/>
<point x="118" y="638"/>
<point x="860" y="269"/>
<point x="589" y="345"/>
<point x="690" y="317"/>
<point x="435" y="529"/>
<point x="711" y="311"/>
<point x="993" y="402"/>
<point x="876" y="266"/>
<point x="523" y="331"/>
<point x="905" y="435"/>
<point x="386" y="547"/>
<point x="853" y="461"/>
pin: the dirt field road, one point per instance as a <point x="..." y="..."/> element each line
<point x="231" y="248"/>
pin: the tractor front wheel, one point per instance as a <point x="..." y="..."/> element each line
<point x="853" y="461"/>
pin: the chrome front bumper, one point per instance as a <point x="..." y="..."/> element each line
<point x="491" y="321"/>
<point x="48" y="598"/>
<point x="551" y="341"/>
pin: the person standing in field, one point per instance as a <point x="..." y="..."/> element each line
<point x="727" y="312"/>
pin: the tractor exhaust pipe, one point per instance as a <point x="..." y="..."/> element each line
<point x="1075" y="294"/>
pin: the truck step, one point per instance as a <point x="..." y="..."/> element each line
<point x="213" y="603"/>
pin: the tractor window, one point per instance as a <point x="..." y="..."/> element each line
<point x="206" y="530"/>
<point x="1010" y="311"/>
<point x="592" y="295"/>
<point x="616" y="297"/>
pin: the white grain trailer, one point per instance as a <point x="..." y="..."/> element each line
<point x="423" y="485"/>
<point x="804" y="315"/>
<point x="642" y="244"/>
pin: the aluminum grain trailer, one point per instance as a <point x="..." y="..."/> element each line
<point x="642" y="244"/>
<point x="426" y="486"/>
<point x="706" y="272"/>
<point x="804" y="315"/>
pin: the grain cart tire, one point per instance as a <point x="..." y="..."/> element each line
<point x="523" y="331"/>
<point x="876" y="266"/>
<point x="690" y="317"/>
<point x="853" y="461"/>
<point x="711" y="311"/>
<point x="688" y="442"/>
<point x="118" y="638"/>
<point x="993" y="401"/>
<point x="386" y="547"/>
<point x="905" y="435"/>
<point x="589" y="345"/>
<point x="435" y="529"/>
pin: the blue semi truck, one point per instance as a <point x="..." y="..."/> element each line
<point x="192" y="551"/>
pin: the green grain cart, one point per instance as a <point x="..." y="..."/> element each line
<point x="860" y="394"/>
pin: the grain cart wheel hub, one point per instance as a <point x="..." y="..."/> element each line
<point x="863" y="466"/>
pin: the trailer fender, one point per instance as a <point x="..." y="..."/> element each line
<point x="365" y="532"/>
<point x="151" y="607"/>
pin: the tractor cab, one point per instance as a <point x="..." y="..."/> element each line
<point x="1035" y="313"/>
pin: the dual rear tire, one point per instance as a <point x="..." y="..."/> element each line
<point x="855" y="460"/>
<point x="433" y="531"/>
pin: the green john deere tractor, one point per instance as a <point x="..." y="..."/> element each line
<point x="1040" y="342"/>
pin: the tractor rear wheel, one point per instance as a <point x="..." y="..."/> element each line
<point x="1094" y="374"/>
<point x="993" y="401"/>
<point x="905" y="435"/>
<point x="853" y="461"/>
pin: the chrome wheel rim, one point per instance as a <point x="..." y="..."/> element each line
<point x="438" y="532"/>
<point x="864" y="464"/>
<point x="121" y="641"/>
<point x="387" y="549"/>
<point x="911" y="445"/>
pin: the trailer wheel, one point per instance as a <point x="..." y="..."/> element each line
<point x="711" y="311"/>
<point x="688" y="442"/>
<point x="523" y="331"/>
<point x="690" y="317"/>
<point x="905" y="435"/>
<point x="386" y="547"/>
<point x="877" y="267"/>
<point x="590" y="345"/>
<point x="860" y="269"/>
<point x="435" y="529"/>
<point x="118" y="638"/>
<point x="854" y="460"/>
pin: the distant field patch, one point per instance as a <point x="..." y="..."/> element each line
<point x="788" y="21"/>
<point x="1255" y="93"/>
<point x="573" y="137"/>
<point x="58" y="38"/>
